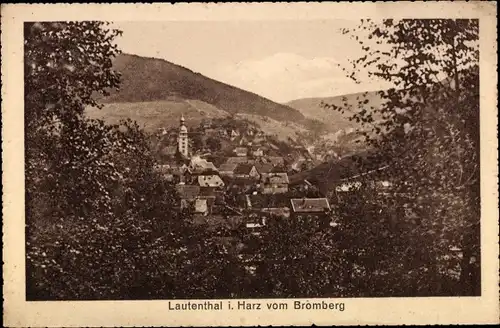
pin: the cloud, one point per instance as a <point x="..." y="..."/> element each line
<point x="286" y="76"/>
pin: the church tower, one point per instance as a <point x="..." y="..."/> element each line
<point x="182" y="140"/>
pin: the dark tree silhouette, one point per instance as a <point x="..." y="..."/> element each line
<point x="426" y="135"/>
<point x="101" y="224"/>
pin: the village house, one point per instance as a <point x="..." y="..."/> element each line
<point x="233" y="134"/>
<point x="239" y="160"/>
<point x="199" y="165"/>
<point x="187" y="194"/>
<point x="268" y="204"/>
<point x="243" y="140"/>
<point x="210" y="186"/>
<point x="264" y="168"/>
<point x="261" y="201"/>
<point x="304" y="188"/>
<point x="210" y="181"/>
<point x="227" y="169"/>
<point x="204" y="205"/>
<point x="275" y="160"/>
<point x="243" y="185"/>
<point x="241" y="151"/>
<point x="192" y="195"/>
<point x="201" y="206"/>
<point x="309" y="206"/>
<point x="274" y="183"/>
<point x="257" y="152"/>
<point x="246" y="171"/>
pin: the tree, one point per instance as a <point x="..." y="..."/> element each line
<point x="101" y="222"/>
<point x="214" y="144"/>
<point x="300" y="258"/>
<point x="426" y="135"/>
<point x="197" y="141"/>
<point x="65" y="65"/>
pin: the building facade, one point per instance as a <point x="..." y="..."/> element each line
<point x="182" y="139"/>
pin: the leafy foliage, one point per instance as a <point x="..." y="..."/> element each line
<point x="426" y="135"/>
<point x="100" y="223"/>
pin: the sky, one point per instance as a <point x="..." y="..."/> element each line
<point x="280" y="60"/>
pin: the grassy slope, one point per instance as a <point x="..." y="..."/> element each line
<point x="150" y="79"/>
<point x="155" y="93"/>
<point x="313" y="109"/>
<point x="157" y="114"/>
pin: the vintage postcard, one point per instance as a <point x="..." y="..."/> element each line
<point x="244" y="164"/>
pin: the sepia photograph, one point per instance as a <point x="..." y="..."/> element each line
<point x="216" y="163"/>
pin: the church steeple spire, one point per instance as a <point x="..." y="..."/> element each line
<point x="182" y="140"/>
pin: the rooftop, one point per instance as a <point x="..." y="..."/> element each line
<point x="238" y="160"/>
<point x="200" y="206"/>
<point x="210" y="181"/>
<point x="309" y="205"/>
<point x="243" y="168"/>
<point x="264" y="168"/>
<point x="198" y="164"/>
<point x="188" y="192"/>
<point x="275" y="160"/>
<point x="271" y="178"/>
<point x="268" y="201"/>
<point x="227" y="167"/>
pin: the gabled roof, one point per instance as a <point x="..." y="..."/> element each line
<point x="188" y="192"/>
<point x="227" y="167"/>
<point x="202" y="167"/>
<point x="268" y="201"/>
<point x="264" y="168"/>
<point x="271" y="178"/>
<point x="198" y="163"/>
<point x="210" y="181"/>
<point x="238" y="160"/>
<point x="243" y="168"/>
<point x="309" y="205"/>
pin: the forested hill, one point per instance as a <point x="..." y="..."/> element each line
<point x="313" y="108"/>
<point x="149" y="79"/>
